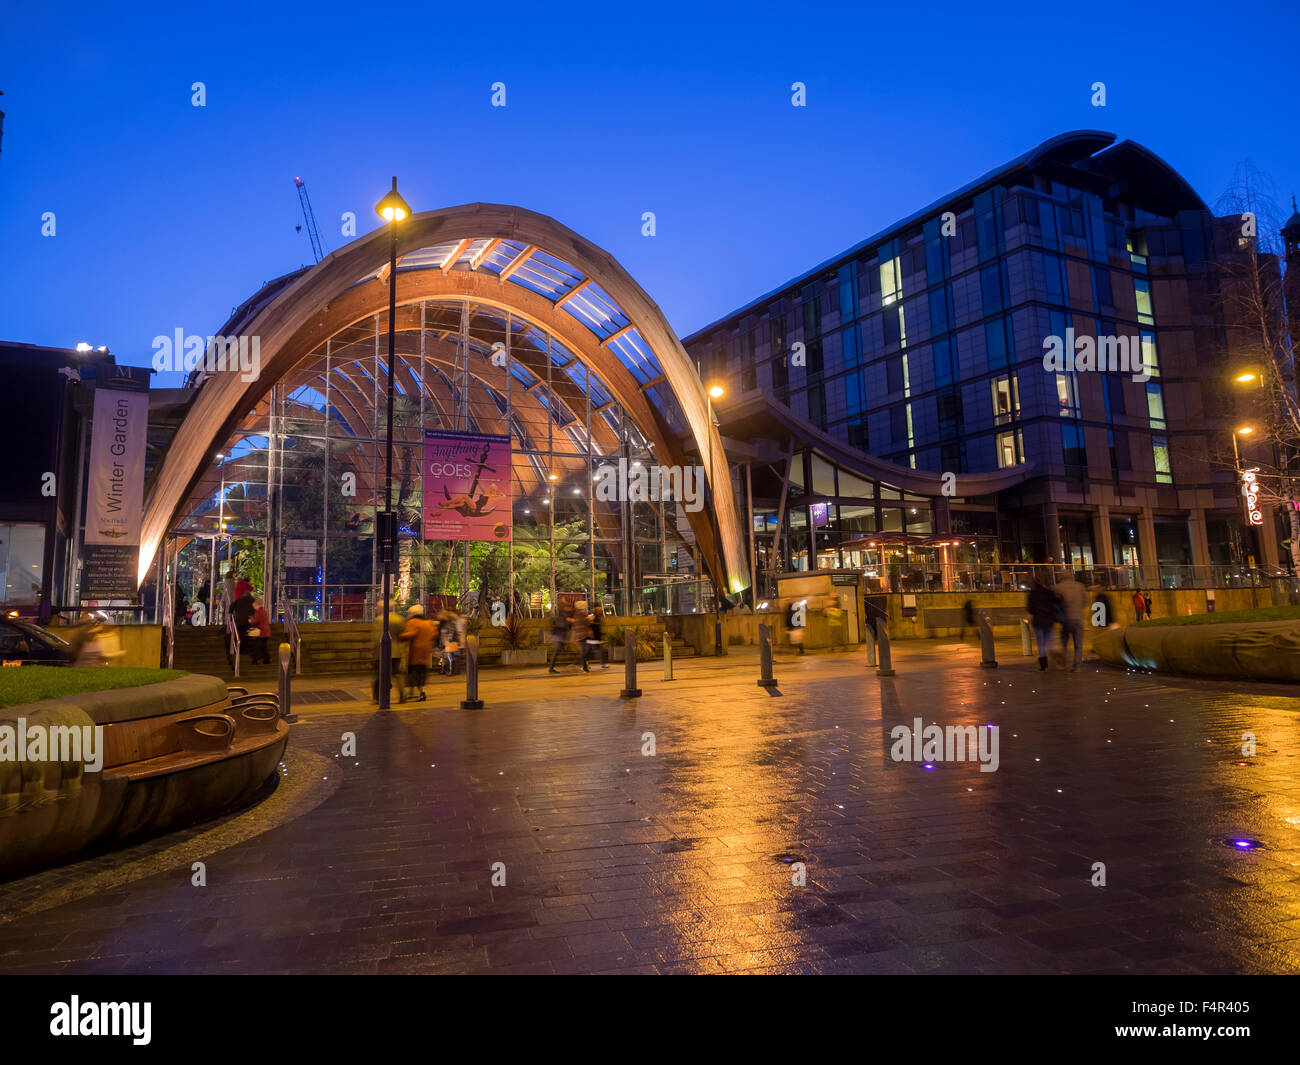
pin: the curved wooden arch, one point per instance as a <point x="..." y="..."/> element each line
<point x="328" y="298"/>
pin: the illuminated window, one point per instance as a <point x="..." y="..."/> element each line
<point x="1150" y="360"/>
<point x="1142" y="289"/>
<point x="1160" y="451"/>
<point x="1006" y="398"/>
<point x="1010" y="447"/>
<point x="1155" y="405"/>
<point x="891" y="281"/>
<point x="1067" y="394"/>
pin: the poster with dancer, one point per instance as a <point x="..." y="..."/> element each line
<point x="466" y="486"/>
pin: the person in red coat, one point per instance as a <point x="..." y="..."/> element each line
<point x="262" y="623"/>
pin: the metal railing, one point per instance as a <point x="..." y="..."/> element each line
<point x="232" y="641"/>
<point x="1020" y="576"/>
<point x="295" y="638"/>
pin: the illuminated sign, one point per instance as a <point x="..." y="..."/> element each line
<point x="1250" y="490"/>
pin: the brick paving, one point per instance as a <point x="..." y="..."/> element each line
<point x="682" y="861"/>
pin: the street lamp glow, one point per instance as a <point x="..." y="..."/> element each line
<point x="1246" y="378"/>
<point x="1246" y="430"/>
<point x="392" y="208"/>
<point x="716" y="391"/>
<point x="83" y="346"/>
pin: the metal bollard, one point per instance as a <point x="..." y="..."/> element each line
<point x="886" y="667"/>
<point x="869" y="639"/>
<point x="1026" y="638"/>
<point x="630" y="690"/>
<point x="988" y="655"/>
<point x="285" y="694"/>
<point x="471" y="700"/>
<point x="668" y="658"/>
<point x="765" y="680"/>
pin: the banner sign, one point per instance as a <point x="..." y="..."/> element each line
<point x="115" y="484"/>
<point x="466" y="486"/>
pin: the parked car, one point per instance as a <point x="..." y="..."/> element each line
<point x="26" y="643"/>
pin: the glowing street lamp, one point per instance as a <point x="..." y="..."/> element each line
<point x="392" y="209"/>
<point x="714" y="391"/>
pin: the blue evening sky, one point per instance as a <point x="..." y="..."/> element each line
<point x="169" y="215"/>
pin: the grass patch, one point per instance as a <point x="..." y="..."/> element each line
<point x="31" y="684"/>
<point x="1263" y="613"/>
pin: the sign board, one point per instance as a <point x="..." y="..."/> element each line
<point x="1250" y="491"/>
<point x="115" y="485"/>
<point x="909" y="606"/>
<point x="466" y="486"/>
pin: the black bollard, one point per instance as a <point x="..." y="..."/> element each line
<point x="766" y="680"/>
<point x="630" y="690"/>
<point x="668" y="657"/>
<point x="471" y="700"/>
<point x="990" y="658"/>
<point x="869" y="639"/>
<point x="285" y="695"/>
<point x="886" y="666"/>
<point x="1026" y="638"/>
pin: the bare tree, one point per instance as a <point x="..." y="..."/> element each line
<point x="1254" y="314"/>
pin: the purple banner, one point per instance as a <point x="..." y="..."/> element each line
<point x="466" y="486"/>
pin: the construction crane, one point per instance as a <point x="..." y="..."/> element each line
<point x="309" y="218"/>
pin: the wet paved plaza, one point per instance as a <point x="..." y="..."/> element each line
<point x="684" y="860"/>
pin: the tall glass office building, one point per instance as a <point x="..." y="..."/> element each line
<point x="891" y="407"/>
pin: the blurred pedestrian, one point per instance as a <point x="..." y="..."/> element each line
<point x="835" y="624"/>
<point x="795" y="616"/>
<point x="1103" y="611"/>
<point x="259" y="631"/>
<point x="396" y="624"/>
<point x="1074" y="595"/>
<point x="1044" y="606"/>
<point x="581" y="632"/>
<point x="559" y="632"/>
<point x="595" y="642"/>
<point x="1139" y="604"/>
<point x="419" y="633"/>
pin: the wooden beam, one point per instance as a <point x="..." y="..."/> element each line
<point x="517" y="262"/>
<point x="484" y="252"/>
<point x="572" y="292"/>
<point x="619" y="335"/>
<point x="456" y="253"/>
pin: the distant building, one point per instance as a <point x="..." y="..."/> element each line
<point x="919" y="352"/>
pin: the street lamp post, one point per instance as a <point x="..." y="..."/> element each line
<point x="714" y="392"/>
<point x="392" y="209"/>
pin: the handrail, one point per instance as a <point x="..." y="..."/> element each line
<point x="232" y="639"/>
<point x="169" y="621"/>
<point x="295" y="637"/>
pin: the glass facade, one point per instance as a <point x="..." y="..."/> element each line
<point x="298" y="487"/>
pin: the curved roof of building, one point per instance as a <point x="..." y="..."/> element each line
<point x="502" y="257"/>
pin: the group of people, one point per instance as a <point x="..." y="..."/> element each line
<point x="573" y="623"/>
<point x="1066" y="603"/>
<point x="251" y="622"/>
<point x="419" y="640"/>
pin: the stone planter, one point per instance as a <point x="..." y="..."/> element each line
<point x="525" y="656"/>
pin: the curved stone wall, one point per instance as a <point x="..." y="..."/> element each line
<point x="1265" y="650"/>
